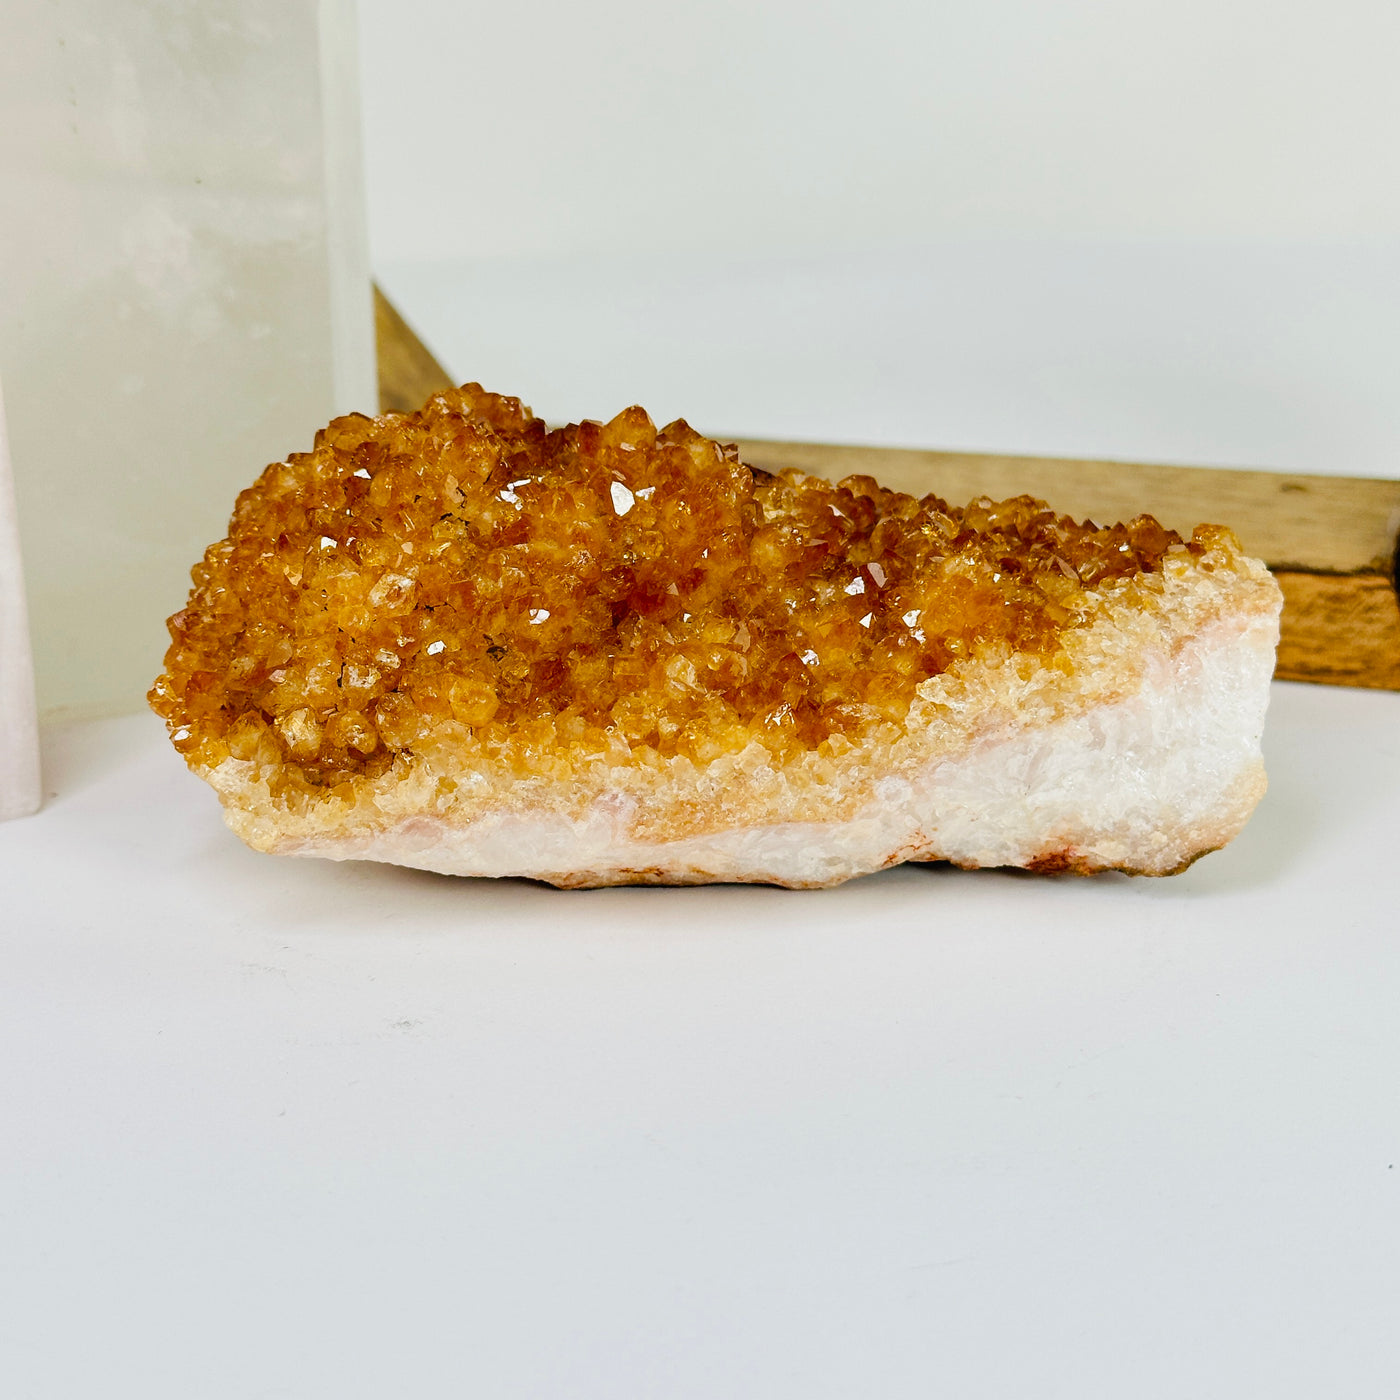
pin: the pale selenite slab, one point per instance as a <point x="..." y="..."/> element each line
<point x="19" y="733"/>
<point x="184" y="297"/>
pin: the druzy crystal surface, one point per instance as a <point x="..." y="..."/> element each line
<point x="465" y="577"/>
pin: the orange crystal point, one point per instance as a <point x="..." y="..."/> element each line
<point x="465" y="575"/>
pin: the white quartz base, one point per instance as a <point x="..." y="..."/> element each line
<point x="1146" y="783"/>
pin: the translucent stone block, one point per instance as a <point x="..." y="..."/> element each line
<point x="184" y="297"/>
<point x="19" y="737"/>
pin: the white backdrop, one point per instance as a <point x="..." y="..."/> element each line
<point x="1147" y="229"/>
<point x="628" y="125"/>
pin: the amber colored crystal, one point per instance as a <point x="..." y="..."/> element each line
<point x="603" y="585"/>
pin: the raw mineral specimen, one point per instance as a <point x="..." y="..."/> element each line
<point x="608" y="654"/>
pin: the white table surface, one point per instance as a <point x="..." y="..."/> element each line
<point x="277" y="1128"/>
<point x="286" y="1128"/>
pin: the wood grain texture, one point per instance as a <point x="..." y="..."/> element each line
<point x="1340" y="629"/>
<point x="1330" y="540"/>
<point x="409" y="374"/>
<point x="1327" y="524"/>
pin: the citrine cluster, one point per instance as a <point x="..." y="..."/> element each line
<point x="465" y="574"/>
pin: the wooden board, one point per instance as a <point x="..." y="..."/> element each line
<point x="409" y="374"/>
<point x="1330" y="540"/>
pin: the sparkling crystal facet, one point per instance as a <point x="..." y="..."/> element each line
<point x="605" y="586"/>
